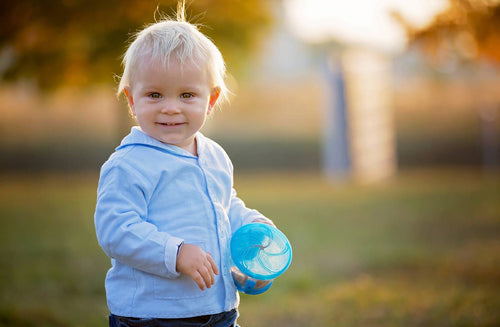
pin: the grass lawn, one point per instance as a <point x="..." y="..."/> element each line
<point x="420" y="250"/>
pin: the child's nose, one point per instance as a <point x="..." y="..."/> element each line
<point x="170" y="107"/>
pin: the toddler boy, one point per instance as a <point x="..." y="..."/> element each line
<point x="166" y="206"/>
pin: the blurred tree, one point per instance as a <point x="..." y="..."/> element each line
<point x="79" y="42"/>
<point x="468" y="29"/>
<point x="469" y="32"/>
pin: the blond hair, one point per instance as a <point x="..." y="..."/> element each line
<point x="180" y="39"/>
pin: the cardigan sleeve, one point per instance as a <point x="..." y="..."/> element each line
<point x="122" y="228"/>
<point x="240" y="215"/>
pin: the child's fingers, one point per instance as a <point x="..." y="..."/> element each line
<point x="197" y="264"/>
<point x="212" y="264"/>
<point x="207" y="275"/>
<point x="199" y="280"/>
<point x="211" y="278"/>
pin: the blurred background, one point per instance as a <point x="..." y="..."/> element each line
<point x="367" y="130"/>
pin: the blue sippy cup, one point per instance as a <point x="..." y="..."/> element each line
<point x="259" y="254"/>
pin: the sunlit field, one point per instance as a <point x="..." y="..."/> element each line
<point x="420" y="250"/>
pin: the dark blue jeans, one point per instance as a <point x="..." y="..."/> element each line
<point x="224" y="319"/>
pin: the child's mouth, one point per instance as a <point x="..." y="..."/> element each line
<point x="171" y="124"/>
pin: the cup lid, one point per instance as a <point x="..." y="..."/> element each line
<point x="260" y="251"/>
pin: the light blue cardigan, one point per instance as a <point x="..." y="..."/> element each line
<point x="151" y="198"/>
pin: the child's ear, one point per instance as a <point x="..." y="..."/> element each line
<point x="214" y="95"/>
<point x="130" y="99"/>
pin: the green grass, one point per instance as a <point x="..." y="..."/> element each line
<point x="420" y="250"/>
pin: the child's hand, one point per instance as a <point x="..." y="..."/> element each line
<point x="197" y="264"/>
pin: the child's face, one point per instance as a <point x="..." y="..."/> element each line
<point x="171" y="104"/>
